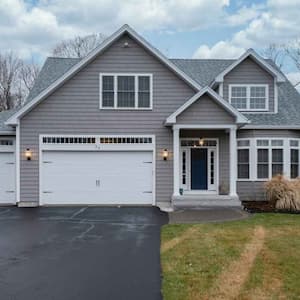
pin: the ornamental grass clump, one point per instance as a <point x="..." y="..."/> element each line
<point x="283" y="193"/>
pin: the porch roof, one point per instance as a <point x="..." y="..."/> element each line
<point x="240" y="119"/>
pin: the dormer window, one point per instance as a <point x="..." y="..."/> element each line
<point x="125" y="91"/>
<point x="249" y="97"/>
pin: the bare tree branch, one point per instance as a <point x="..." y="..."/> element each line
<point x="78" y="47"/>
<point x="16" y="79"/>
<point x="276" y="53"/>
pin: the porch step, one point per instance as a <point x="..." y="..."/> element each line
<point x="199" y="201"/>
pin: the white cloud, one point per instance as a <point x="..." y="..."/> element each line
<point x="221" y="49"/>
<point x="36" y="27"/>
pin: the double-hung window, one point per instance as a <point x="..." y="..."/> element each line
<point x="243" y="159"/>
<point x="249" y="97"/>
<point x="294" y="158"/>
<point x="126" y="91"/>
<point x="269" y="158"/>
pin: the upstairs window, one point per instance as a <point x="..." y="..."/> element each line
<point x="249" y="97"/>
<point x="126" y="91"/>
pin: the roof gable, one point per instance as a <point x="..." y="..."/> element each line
<point x="256" y="58"/>
<point x="239" y="117"/>
<point x="89" y="58"/>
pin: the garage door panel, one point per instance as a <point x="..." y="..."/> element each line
<point x="97" y="178"/>
<point x="7" y="178"/>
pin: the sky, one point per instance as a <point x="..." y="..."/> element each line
<point x="178" y="28"/>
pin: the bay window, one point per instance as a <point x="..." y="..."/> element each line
<point x="243" y="158"/>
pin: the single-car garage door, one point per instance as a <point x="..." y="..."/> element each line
<point x="7" y="178"/>
<point x="86" y="177"/>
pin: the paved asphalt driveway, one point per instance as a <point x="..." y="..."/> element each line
<point x="80" y="253"/>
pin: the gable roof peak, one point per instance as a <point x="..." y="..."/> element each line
<point x="13" y="120"/>
<point x="239" y="117"/>
<point x="259" y="60"/>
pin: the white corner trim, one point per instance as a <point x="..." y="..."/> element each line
<point x="258" y="59"/>
<point x="240" y="118"/>
<point x="18" y="170"/>
<point x="77" y="67"/>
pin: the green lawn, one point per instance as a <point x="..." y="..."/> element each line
<point x="197" y="259"/>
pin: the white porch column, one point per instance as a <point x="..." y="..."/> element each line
<point x="175" y="162"/>
<point x="232" y="161"/>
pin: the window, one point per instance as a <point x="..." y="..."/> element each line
<point x="126" y="91"/>
<point x="183" y="168"/>
<point x="249" y="97"/>
<point x="243" y="159"/>
<point x="263" y="163"/>
<point x="277" y="162"/>
<point x="243" y="163"/>
<point x="294" y="161"/>
<point x="269" y="158"/>
<point x="261" y="159"/>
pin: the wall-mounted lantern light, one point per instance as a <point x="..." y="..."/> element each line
<point x="201" y="141"/>
<point x="28" y="154"/>
<point x="165" y="154"/>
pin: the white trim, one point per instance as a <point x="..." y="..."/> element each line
<point x="259" y="60"/>
<point x="291" y="127"/>
<point x="210" y="189"/>
<point x="253" y="156"/>
<point x="221" y="89"/>
<point x="18" y="165"/>
<point x="176" y="165"/>
<point x="248" y="97"/>
<point x="136" y="90"/>
<point x="232" y="161"/>
<point x="120" y="147"/>
<point x="275" y="97"/>
<point x="240" y="118"/>
<point x="208" y="127"/>
<point x="82" y="63"/>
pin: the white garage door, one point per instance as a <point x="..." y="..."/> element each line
<point x="96" y="177"/>
<point x="7" y="178"/>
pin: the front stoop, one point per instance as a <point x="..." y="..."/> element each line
<point x="27" y="204"/>
<point x="206" y="201"/>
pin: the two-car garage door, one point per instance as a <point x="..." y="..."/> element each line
<point x="93" y="177"/>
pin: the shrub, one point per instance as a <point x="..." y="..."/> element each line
<point x="283" y="193"/>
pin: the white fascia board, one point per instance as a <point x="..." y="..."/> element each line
<point x="277" y="127"/>
<point x="259" y="60"/>
<point x="77" y="67"/>
<point x="240" y="118"/>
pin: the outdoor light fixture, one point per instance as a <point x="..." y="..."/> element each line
<point x="165" y="154"/>
<point x="28" y="154"/>
<point x="201" y="141"/>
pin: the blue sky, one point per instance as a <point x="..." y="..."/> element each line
<point x="179" y="28"/>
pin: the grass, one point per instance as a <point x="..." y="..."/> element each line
<point x="194" y="267"/>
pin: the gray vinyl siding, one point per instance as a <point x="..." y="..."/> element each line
<point x="205" y="111"/>
<point x="249" y="72"/>
<point x="74" y="109"/>
<point x="254" y="190"/>
<point x="224" y="157"/>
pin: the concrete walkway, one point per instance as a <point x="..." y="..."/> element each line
<point x="205" y="215"/>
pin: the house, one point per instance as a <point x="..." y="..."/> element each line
<point x="127" y="126"/>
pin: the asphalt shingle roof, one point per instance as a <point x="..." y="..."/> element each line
<point x="203" y="71"/>
<point x="4" y="115"/>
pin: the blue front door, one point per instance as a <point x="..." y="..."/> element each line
<point x="198" y="169"/>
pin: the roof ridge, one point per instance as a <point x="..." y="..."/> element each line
<point x="55" y="57"/>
